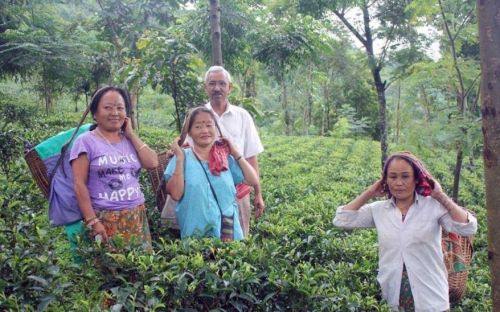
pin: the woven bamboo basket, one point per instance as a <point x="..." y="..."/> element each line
<point x="156" y="179"/>
<point x="38" y="170"/>
<point x="462" y="252"/>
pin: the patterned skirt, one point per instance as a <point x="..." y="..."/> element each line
<point x="406" y="303"/>
<point x="127" y="228"/>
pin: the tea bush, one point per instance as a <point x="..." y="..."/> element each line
<point x="295" y="260"/>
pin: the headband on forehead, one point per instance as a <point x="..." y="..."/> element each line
<point x="425" y="184"/>
<point x="99" y="91"/>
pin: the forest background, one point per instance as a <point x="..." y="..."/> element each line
<point x="347" y="81"/>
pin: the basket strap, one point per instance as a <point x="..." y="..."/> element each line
<point x="64" y="148"/>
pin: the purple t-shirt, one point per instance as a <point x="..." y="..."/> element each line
<point x="113" y="180"/>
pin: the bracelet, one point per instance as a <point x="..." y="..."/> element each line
<point x="142" y="146"/>
<point x="87" y="221"/>
<point x="92" y="222"/>
<point x="238" y="159"/>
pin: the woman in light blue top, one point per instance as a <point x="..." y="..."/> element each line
<point x="206" y="196"/>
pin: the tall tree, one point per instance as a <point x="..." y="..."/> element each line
<point x="457" y="20"/>
<point x="45" y="43"/>
<point x="452" y="27"/>
<point x="488" y="12"/>
<point x="283" y="49"/>
<point x="170" y="64"/>
<point x="215" y="33"/>
<point x="122" y="23"/>
<point x="336" y="76"/>
<point x="239" y="22"/>
<point x="393" y="30"/>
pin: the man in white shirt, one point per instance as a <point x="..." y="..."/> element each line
<point x="237" y="125"/>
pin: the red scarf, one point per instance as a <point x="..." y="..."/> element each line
<point x="217" y="161"/>
<point x="425" y="184"/>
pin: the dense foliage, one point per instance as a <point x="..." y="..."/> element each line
<point x="294" y="261"/>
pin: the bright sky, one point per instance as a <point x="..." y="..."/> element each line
<point x="355" y="17"/>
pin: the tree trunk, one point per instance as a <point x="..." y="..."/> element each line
<point x="137" y="109"/>
<point x="462" y="103"/>
<point x="323" y="121"/>
<point x="309" y="104"/>
<point x="215" y="33"/>
<point x="328" y="120"/>
<point x="489" y="43"/>
<point x="47" y="95"/>
<point x="398" y="114"/>
<point x="382" y="115"/>
<point x="456" y="172"/>
<point x="375" y="67"/>
<point x="424" y="99"/>
<point x="323" y="109"/>
<point x="250" y="89"/>
<point x="46" y="91"/>
<point x="134" y="96"/>
<point x="47" y="104"/>
<point x="284" y="104"/>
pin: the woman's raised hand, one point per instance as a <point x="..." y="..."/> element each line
<point x="175" y="147"/>
<point x="127" y="127"/>
<point x="232" y="149"/>
<point x="376" y="189"/>
<point x="437" y="190"/>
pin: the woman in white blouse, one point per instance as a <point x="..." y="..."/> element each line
<point x="412" y="273"/>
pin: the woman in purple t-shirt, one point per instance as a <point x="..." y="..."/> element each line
<point x="106" y="162"/>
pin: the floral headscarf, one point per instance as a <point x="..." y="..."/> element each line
<point x="424" y="179"/>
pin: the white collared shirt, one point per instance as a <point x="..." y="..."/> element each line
<point x="416" y="242"/>
<point x="237" y="125"/>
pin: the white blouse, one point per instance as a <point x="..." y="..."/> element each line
<point x="416" y="242"/>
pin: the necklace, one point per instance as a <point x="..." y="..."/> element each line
<point x="121" y="157"/>
<point x="403" y="214"/>
<point x="197" y="154"/>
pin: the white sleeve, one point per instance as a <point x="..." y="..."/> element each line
<point x="253" y="145"/>
<point x="351" y="219"/>
<point x="464" y="229"/>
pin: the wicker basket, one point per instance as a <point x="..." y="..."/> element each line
<point x="156" y="178"/>
<point x="38" y="170"/>
<point x="457" y="250"/>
